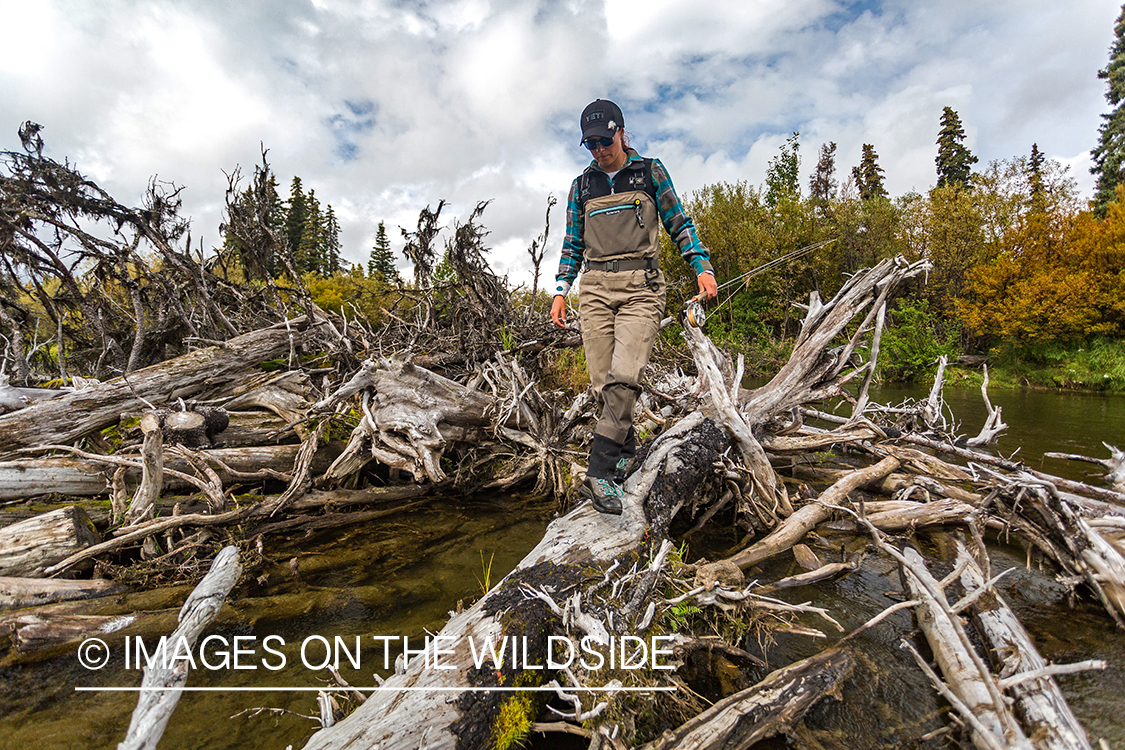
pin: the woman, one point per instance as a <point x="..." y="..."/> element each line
<point x="612" y="234"/>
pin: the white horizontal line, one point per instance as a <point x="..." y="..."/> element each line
<point x="542" y="688"/>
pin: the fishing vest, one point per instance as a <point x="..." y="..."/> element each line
<point x="621" y="225"/>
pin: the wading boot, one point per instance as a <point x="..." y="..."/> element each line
<point x="605" y="494"/>
<point x="604" y="491"/>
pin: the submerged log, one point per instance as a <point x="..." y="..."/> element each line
<point x="18" y="593"/>
<point x="973" y="690"/>
<point x="35" y="631"/>
<point x="29" y="547"/>
<point x="408" y="421"/>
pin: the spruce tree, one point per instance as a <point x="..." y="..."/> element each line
<point x="868" y="175"/>
<point x="330" y="244"/>
<point x="954" y="161"/>
<point x="1109" y="154"/>
<point x="822" y="184"/>
<point x="296" y="214"/>
<point x="309" y="246"/>
<point x="381" y="262"/>
<point x="1035" y="176"/>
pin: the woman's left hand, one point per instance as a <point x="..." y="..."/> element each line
<point x="707" y="285"/>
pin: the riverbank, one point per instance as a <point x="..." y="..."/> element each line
<point x="1096" y="366"/>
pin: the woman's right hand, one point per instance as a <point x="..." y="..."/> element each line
<point x="558" y="311"/>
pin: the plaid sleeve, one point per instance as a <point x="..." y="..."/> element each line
<point x="678" y="224"/>
<point x="574" y="247"/>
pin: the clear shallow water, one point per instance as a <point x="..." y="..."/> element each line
<point x="1038" y="422"/>
<point x="397" y="577"/>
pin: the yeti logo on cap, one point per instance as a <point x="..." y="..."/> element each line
<point x="594" y="117"/>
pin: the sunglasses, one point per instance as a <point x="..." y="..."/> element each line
<point x="593" y="143"/>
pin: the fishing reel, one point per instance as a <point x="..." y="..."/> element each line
<point x="693" y="312"/>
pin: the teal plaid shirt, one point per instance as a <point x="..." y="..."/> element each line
<point x="677" y="223"/>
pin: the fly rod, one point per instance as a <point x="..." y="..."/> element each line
<point x="693" y="311"/>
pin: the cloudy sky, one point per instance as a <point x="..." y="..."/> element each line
<point x="386" y="106"/>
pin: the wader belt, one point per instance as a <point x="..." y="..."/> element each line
<point x="646" y="264"/>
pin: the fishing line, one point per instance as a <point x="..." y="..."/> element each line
<point x="693" y="310"/>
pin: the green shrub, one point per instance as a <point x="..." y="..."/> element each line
<point x="913" y="339"/>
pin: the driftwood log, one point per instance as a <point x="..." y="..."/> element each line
<point x="24" y="478"/>
<point x="769" y="708"/>
<point x="159" y="693"/>
<point x="30" y="547"/>
<point x="971" y="687"/>
<point x="1039" y="703"/>
<point x="210" y="370"/>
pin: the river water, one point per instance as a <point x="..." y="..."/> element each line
<point x="401" y="575"/>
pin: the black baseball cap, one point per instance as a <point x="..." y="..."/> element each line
<point x="601" y="119"/>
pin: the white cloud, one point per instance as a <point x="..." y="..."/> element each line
<point x="385" y="107"/>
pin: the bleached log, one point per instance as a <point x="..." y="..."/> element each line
<point x="159" y="694"/>
<point x="994" y="425"/>
<point x="18" y="593"/>
<point x="286" y="395"/>
<point x="249" y="428"/>
<point x="960" y="668"/>
<point x="808" y="516"/>
<point x="812" y="371"/>
<point x="152" y="471"/>
<point x="30" y="547"/>
<point x="1115" y="463"/>
<point x="896" y="484"/>
<point x="824" y="572"/>
<point x="25" y="478"/>
<point x="72" y="415"/>
<point x="724" y="397"/>
<point x="769" y="708"/>
<point x="1040" y="705"/>
<point x="808" y="442"/>
<point x="932" y="410"/>
<point x="410" y="413"/>
<point x="896" y="516"/>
